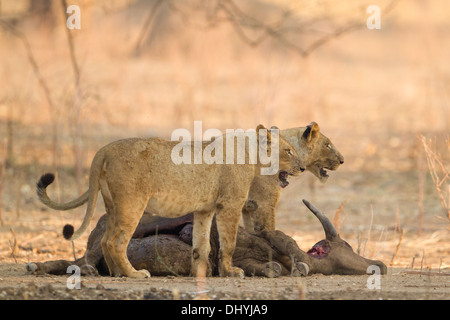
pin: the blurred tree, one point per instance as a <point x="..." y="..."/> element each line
<point x="299" y="27"/>
<point x="43" y="11"/>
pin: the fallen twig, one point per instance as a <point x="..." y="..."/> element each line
<point x="426" y="273"/>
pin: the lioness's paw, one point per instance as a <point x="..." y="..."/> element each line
<point x="233" y="272"/>
<point x="139" y="274"/>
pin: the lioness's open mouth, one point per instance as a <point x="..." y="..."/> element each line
<point x="323" y="173"/>
<point x="283" y="175"/>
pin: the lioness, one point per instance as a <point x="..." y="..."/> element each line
<point x="138" y="174"/>
<point x="318" y="154"/>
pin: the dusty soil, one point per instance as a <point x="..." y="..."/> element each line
<point x="16" y="283"/>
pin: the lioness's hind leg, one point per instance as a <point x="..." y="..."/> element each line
<point x="200" y="244"/>
<point x="108" y="250"/>
<point x="110" y="222"/>
<point x="127" y="216"/>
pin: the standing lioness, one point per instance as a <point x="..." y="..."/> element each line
<point x="135" y="174"/>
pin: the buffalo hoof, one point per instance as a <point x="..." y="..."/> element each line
<point x="300" y="269"/>
<point x="273" y="269"/>
<point x="31" y="267"/>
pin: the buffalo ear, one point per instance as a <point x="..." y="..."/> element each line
<point x="311" y="132"/>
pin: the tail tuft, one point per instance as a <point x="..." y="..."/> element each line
<point x="45" y="180"/>
<point x="68" y="231"/>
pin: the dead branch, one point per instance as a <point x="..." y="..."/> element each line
<point x="241" y="20"/>
<point x="73" y="58"/>
<point x="14" y="247"/>
<point x="13" y="30"/>
<point x="8" y="27"/>
<point x="422" y="175"/>
<point x="77" y="103"/>
<point x="145" y="28"/>
<point x="2" y="179"/>
<point x="336" y="221"/>
<point x="227" y="11"/>
<point x="421" y="261"/>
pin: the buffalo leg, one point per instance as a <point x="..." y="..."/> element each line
<point x="270" y="269"/>
<point x="289" y="248"/>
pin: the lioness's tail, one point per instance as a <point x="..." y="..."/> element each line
<point x="89" y="196"/>
<point x="94" y="188"/>
<point x="41" y="190"/>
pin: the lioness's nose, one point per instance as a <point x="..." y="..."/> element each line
<point x="302" y="169"/>
<point x="341" y="161"/>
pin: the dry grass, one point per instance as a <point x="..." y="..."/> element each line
<point x="439" y="173"/>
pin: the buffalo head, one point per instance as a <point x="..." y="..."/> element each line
<point x="334" y="255"/>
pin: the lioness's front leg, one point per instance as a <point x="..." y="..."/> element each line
<point x="200" y="244"/>
<point x="110" y="223"/>
<point x="264" y="218"/>
<point x="227" y="219"/>
<point x="259" y="209"/>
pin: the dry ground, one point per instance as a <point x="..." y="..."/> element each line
<point x="398" y="284"/>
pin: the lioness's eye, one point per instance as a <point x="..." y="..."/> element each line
<point x="289" y="152"/>
<point x="328" y="147"/>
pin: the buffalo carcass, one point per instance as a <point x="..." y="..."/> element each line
<point x="163" y="247"/>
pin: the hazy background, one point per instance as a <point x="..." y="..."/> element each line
<point x="145" y="68"/>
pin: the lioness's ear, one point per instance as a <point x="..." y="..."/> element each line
<point x="261" y="127"/>
<point x="312" y="132"/>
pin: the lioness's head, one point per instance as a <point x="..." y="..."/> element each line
<point x="322" y="155"/>
<point x="289" y="162"/>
